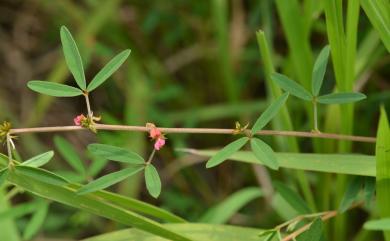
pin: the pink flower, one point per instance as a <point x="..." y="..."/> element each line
<point x="155" y="133"/>
<point x="160" y="142"/>
<point x="78" y="119"/>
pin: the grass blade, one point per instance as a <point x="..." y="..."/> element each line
<point x="292" y="198"/>
<point x="319" y="70"/>
<point x="152" y="180"/>
<point x="379" y="225"/>
<point x="226" y="152"/>
<point x="115" y="153"/>
<point x="69" y="154"/>
<point x="264" y="153"/>
<point x="39" y="160"/>
<point x="53" y="89"/>
<point x="72" y="57"/>
<point x="341" y="98"/>
<point x="108" y="70"/>
<point x="41" y="175"/>
<point x="291" y="86"/>
<point x="36" y="221"/>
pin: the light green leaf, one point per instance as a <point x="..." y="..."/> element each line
<point x="109" y="180"/>
<point x="41" y="175"/>
<point x="72" y="57"/>
<point x="319" y="70"/>
<point x="19" y="210"/>
<point x="39" y="160"/>
<point x="53" y="89"/>
<point x="341" y="98"/>
<point x="264" y="153"/>
<point x="3" y="176"/>
<point x="380" y="224"/>
<point x="108" y="70"/>
<point x="291" y="86"/>
<point x="115" y="153"/>
<point x="226" y="152"/>
<point x="352" y="164"/>
<point x="314" y="233"/>
<point x="69" y="153"/>
<point x="351" y="194"/>
<point x="36" y="221"/>
<point x="152" y="180"/>
<point x="222" y="212"/>
<point x="292" y="198"/>
<point x="269" y="113"/>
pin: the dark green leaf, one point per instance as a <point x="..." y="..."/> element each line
<point x="351" y="194"/>
<point x="269" y="113"/>
<point x="341" y="98"/>
<point x="39" y="160"/>
<point x="291" y="86"/>
<point x="36" y="221"/>
<point x="3" y="175"/>
<point x="314" y="233"/>
<point x="41" y="175"/>
<point x="319" y="70"/>
<point x="369" y="190"/>
<point x="226" y="152"/>
<point x="152" y="180"/>
<point x="69" y="153"/>
<point x="109" y="180"/>
<point x="292" y="198"/>
<point x="53" y="89"/>
<point x="108" y="70"/>
<point x="264" y="153"/>
<point x="115" y="153"/>
<point x="380" y="224"/>
<point x="72" y="57"/>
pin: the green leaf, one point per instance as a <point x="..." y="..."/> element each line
<point x="19" y="210"/>
<point x="352" y="164"/>
<point x="69" y="153"/>
<point x="291" y="86"/>
<point x="222" y="212"/>
<point x="351" y="194"/>
<point x="36" y="221"/>
<point x="226" y="152"/>
<point x="369" y="190"/>
<point x="53" y="89"/>
<point x="380" y="224"/>
<point x="314" y="233"/>
<point x="152" y="180"/>
<point x="72" y="57"/>
<point x="292" y="198"/>
<point x="41" y="175"/>
<point x="3" y="176"/>
<point x="264" y="153"/>
<point x="269" y="113"/>
<point x="319" y="70"/>
<point x="115" y="153"/>
<point x="39" y="160"/>
<point x="109" y="180"/>
<point x="108" y="70"/>
<point x="341" y="98"/>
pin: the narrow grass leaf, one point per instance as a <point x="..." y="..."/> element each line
<point x="341" y="98"/>
<point x="264" y="153"/>
<point x="226" y="152"/>
<point x="152" y="180"/>
<point x="115" y="153"/>
<point x="222" y="212"/>
<point x="41" y="175"/>
<point x="319" y="70"/>
<point x="53" y="89"/>
<point x="314" y="233"/>
<point x="269" y="113"/>
<point x="291" y="86"/>
<point x="109" y="180"/>
<point x="72" y="57"/>
<point x="69" y="154"/>
<point x="108" y="70"/>
<point x="3" y="176"/>
<point x="36" y="221"/>
<point x="39" y="160"/>
<point x="378" y="225"/>
<point x="292" y="198"/>
<point x="351" y="194"/>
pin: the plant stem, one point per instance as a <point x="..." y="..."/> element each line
<point x="90" y="115"/>
<point x="9" y="151"/>
<point x="315" y="115"/>
<point x="195" y="131"/>
<point x="150" y="159"/>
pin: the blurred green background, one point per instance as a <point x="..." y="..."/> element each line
<point x="193" y="64"/>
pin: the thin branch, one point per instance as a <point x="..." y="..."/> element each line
<point x="195" y="131"/>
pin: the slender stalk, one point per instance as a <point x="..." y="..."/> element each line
<point x="315" y="115"/>
<point x="150" y="159"/>
<point x="195" y="131"/>
<point x="90" y="115"/>
<point x="9" y="151"/>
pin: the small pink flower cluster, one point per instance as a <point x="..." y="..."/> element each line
<point x="78" y="120"/>
<point x="156" y="134"/>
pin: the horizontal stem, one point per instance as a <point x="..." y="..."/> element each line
<point x="194" y="131"/>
